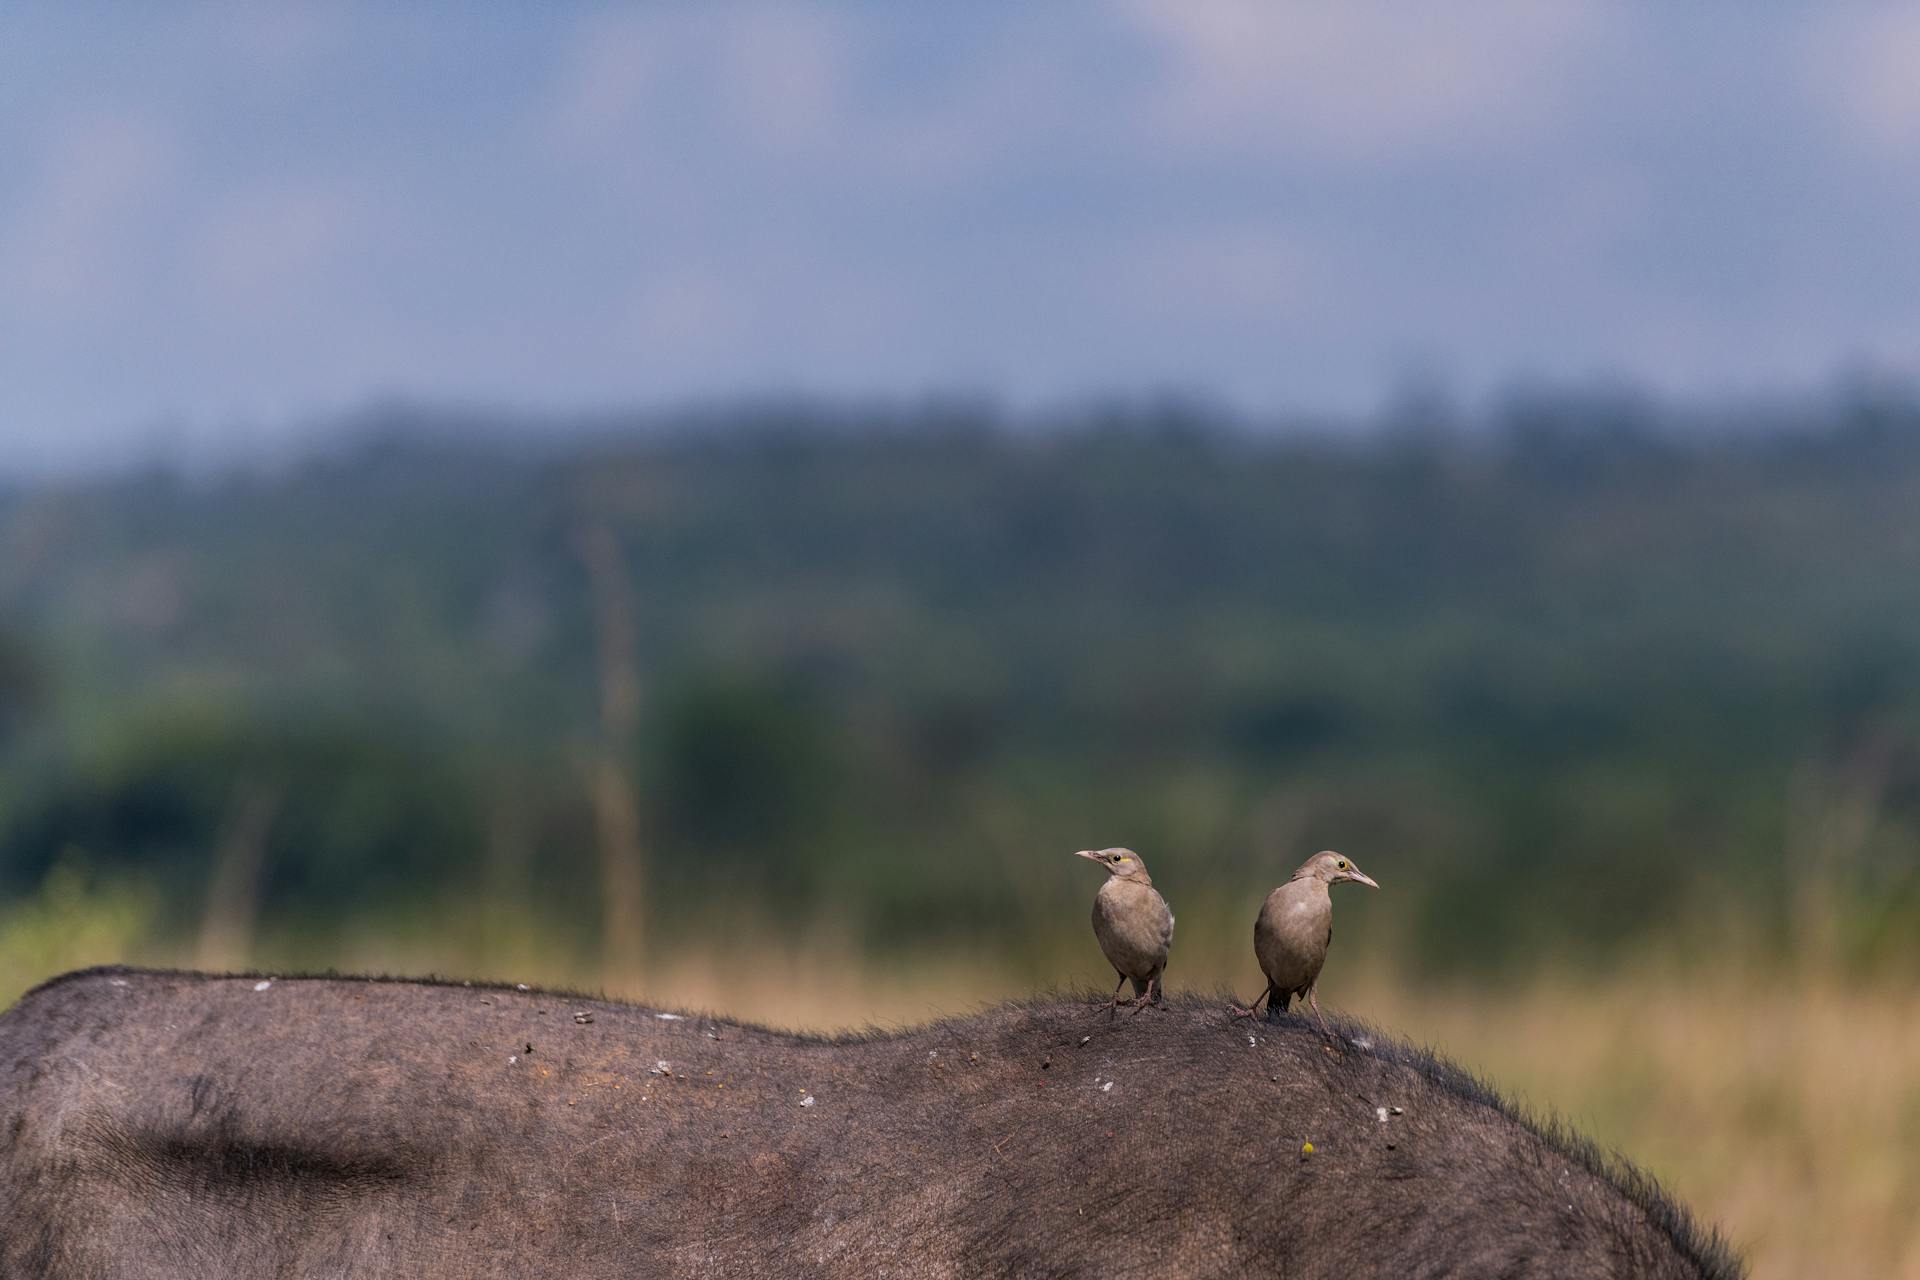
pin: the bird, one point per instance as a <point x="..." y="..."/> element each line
<point x="1293" y="931"/>
<point x="1132" y="923"/>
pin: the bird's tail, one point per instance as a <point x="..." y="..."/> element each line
<point x="1140" y="987"/>
<point x="1277" y="1002"/>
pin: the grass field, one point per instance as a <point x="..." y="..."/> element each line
<point x="1784" y="1110"/>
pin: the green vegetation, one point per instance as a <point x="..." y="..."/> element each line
<point x="1575" y="680"/>
<point x="800" y="719"/>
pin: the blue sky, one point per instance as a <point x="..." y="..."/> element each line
<point x="219" y="226"/>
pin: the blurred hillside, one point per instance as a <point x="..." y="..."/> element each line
<point x="1568" y="682"/>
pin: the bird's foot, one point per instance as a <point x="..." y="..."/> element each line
<point x="1238" y="1012"/>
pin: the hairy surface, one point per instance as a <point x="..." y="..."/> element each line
<point x="176" y="1125"/>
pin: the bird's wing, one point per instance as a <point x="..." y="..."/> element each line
<point x="1263" y="923"/>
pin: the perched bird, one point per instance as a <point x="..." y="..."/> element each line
<point x="1132" y="922"/>
<point x="1294" y="930"/>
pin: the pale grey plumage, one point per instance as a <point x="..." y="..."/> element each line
<point x="1132" y="923"/>
<point x="1294" y="929"/>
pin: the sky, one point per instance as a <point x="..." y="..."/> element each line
<point x="225" y="226"/>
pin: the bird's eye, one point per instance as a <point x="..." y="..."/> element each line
<point x="1113" y="857"/>
<point x="1342" y="864"/>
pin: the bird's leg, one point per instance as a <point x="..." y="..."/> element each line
<point x="1147" y="997"/>
<point x="1314" y="1001"/>
<point x="1253" y="1008"/>
<point x="1115" y="1002"/>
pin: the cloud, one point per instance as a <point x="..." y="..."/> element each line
<point x="1864" y="64"/>
<point x="1362" y="81"/>
<point x="611" y="68"/>
<point x="268" y="245"/>
<point x="686" y="311"/>
<point x="773" y="91"/>
<point x="1267" y="200"/>
<point x="270" y="41"/>
<point x="762" y="77"/>
<point x="1238" y="270"/>
<point x="102" y="182"/>
<point x="784" y="72"/>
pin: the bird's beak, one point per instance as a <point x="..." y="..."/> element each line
<point x="1362" y="877"/>
<point x="1090" y="853"/>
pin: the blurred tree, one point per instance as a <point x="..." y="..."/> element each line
<point x="623" y="870"/>
<point x="239" y="868"/>
<point x="1587" y="639"/>
<point x="746" y="780"/>
<point x="230" y="818"/>
<point x="21" y="686"/>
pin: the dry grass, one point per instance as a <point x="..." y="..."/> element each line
<point x="1787" y="1114"/>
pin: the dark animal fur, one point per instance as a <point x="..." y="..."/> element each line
<point x="179" y="1125"/>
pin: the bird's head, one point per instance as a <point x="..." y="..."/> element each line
<point x="1122" y="864"/>
<point x="1331" y="868"/>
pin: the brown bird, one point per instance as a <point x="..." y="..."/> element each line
<point x="1294" y="930"/>
<point x="1132" y="922"/>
